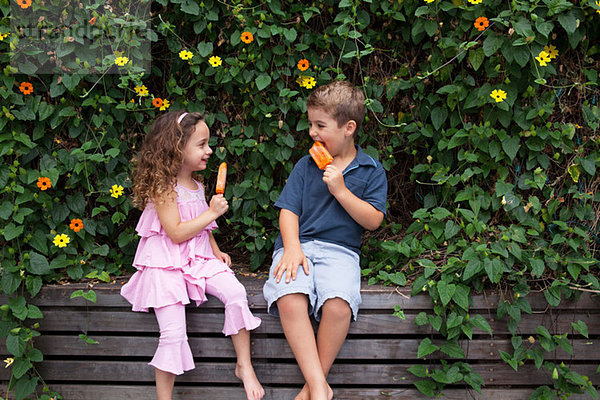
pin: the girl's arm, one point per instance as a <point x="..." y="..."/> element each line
<point x="178" y="231"/>
<point x="224" y="257"/>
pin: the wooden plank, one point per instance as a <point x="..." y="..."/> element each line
<point x="367" y="324"/>
<point x="277" y="348"/>
<point x="123" y="392"/>
<point x="286" y="374"/>
<point x="374" y="297"/>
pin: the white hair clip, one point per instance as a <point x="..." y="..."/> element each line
<point x="181" y="117"/>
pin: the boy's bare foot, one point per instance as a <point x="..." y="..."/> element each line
<point x="253" y="388"/>
<point x="306" y="395"/>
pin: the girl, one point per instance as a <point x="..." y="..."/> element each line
<point x="177" y="258"/>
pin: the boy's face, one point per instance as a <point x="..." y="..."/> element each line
<point x="323" y="128"/>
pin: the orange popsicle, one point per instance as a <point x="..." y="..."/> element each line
<point x="320" y="154"/>
<point x="221" y="177"/>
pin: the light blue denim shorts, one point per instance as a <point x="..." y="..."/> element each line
<point x="333" y="271"/>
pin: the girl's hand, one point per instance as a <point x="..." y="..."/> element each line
<point x="334" y="180"/>
<point x="223" y="257"/>
<point x="218" y="204"/>
<point x="289" y="263"/>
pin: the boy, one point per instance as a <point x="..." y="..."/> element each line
<point x="323" y="215"/>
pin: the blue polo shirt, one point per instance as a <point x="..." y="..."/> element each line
<point x="321" y="216"/>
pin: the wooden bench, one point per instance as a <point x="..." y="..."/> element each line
<point x="372" y="364"/>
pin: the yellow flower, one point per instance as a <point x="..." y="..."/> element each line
<point x="141" y="90"/>
<point x="531" y="339"/>
<point x="499" y="95"/>
<point x="429" y="1"/>
<point x="598" y="4"/>
<point x="503" y="198"/>
<point x="306" y="81"/>
<point x="116" y="191"/>
<point x="475" y="1"/>
<point x="551" y="50"/>
<point x="166" y="104"/>
<point x="215" y="61"/>
<point x="4" y="35"/>
<point x="121" y="61"/>
<point x="61" y="240"/>
<point x="185" y="54"/>
<point x="543" y="58"/>
<point x="9" y="362"/>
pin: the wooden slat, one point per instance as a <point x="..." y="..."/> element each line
<point x="286" y="374"/>
<point x="122" y="392"/>
<point x="277" y="348"/>
<point x="198" y="322"/>
<point x="374" y="297"/>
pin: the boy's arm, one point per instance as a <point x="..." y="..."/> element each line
<point x="361" y="211"/>
<point x="292" y="251"/>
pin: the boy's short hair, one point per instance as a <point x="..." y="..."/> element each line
<point x="342" y="100"/>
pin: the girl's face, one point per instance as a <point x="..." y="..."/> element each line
<point x="196" y="151"/>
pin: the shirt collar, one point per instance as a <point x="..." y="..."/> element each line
<point x="361" y="158"/>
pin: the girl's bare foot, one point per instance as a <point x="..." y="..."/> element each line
<point x="253" y="388"/>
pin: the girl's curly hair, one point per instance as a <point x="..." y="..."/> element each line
<point x="159" y="159"/>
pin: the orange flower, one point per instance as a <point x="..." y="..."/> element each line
<point x="26" y="88"/>
<point x="481" y="23"/>
<point x="76" y="224"/>
<point x="303" y="64"/>
<point x="157" y="102"/>
<point x="247" y="37"/>
<point x="24" y="3"/>
<point x="92" y="21"/>
<point x="44" y="183"/>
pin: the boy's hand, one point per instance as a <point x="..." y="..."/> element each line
<point x="334" y="179"/>
<point x="291" y="259"/>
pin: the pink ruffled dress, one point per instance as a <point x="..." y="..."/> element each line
<point x="170" y="273"/>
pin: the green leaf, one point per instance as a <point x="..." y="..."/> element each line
<point x="24" y="387"/>
<point x="453" y="350"/>
<point x="426" y="347"/>
<point x="580" y="327"/>
<point x="568" y="21"/>
<point x="33" y="312"/>
<point x="262" y="81"/>
<point x="537" y="266"/>
<point x="461" y="296"/>
<point x="451" y="229"/>
<point x="426" y="387"/>
<point x="479" y="322"/>
<point x="20" y="367"/>
<point x="15" y="345"/>
<point x="190" y="7"/>
<point x="11" y="231"/>
<point x="205" y="49"/>
<point x="473" y="268"/>
<point x="38" y="264"/>
<point x="511" y="146"/>
<point x="446" y="291"/>
<point x="494" y="269"/>
<point x="418" y="370"/>
<point x="476" y="57"/>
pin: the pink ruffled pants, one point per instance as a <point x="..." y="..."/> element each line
<point x="173" y="353"/>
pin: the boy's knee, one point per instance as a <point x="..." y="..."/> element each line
<point x="337" y="308"/>
<point x="292" y="303"/>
